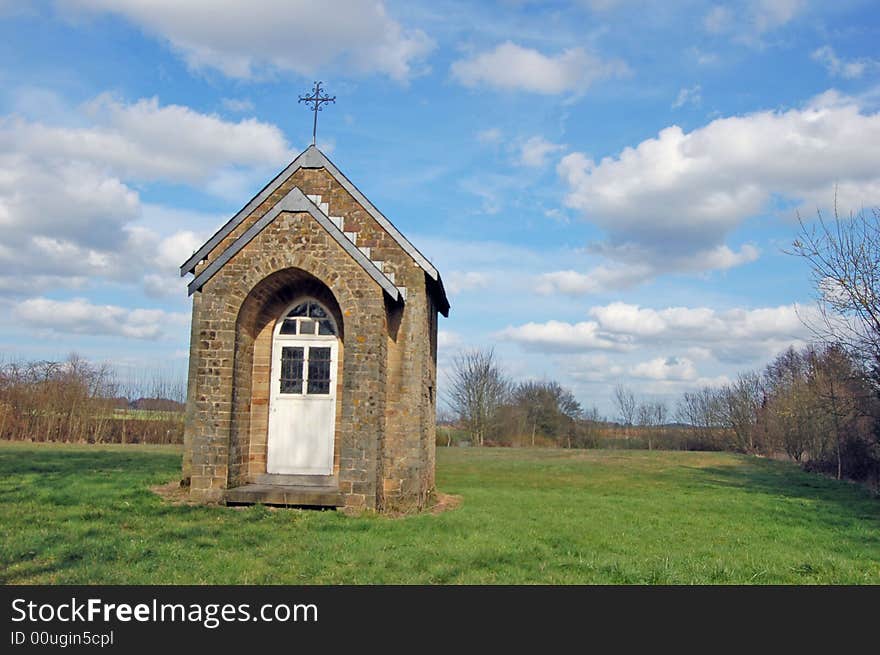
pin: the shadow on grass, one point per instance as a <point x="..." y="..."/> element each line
<point x="61" y="505"/>
<point x="804" y="496"/>
<point x="74" y="459"/>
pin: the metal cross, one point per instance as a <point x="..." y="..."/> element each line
<point x="317" y="99"/>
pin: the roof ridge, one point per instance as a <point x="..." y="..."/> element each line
<point x="311" y="157"/>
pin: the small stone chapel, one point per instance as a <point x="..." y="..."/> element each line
<point x="313" y="352"/>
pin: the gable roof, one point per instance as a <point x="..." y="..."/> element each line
<point x="311" y="157"/>
<point x="295" y="201"/>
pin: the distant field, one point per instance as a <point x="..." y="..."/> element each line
<point x="146" y="414"/>
<point x="85" y="514"/>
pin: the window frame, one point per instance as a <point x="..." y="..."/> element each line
<point x="307" y="342"/>
<point x="285" y="317"/>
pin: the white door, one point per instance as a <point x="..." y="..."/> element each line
<point x="302" y="392"/>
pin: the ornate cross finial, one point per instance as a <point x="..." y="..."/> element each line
<point x="317" y="100"/>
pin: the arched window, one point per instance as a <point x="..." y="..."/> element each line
<point x="308" y="318"/>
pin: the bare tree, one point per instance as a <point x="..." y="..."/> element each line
<point x="739" y="405"/>
<point x="478" y="388"/>
<point x="589" y="428"/>
<point x="701" y="409"/>
<point x="651" y="417"/>
<point x="844" y="257"/>
<point x="835" y="380"/>
<point x="626" y="403"/>
<point x="791" y="414"/>
<point x="661" y="415"/>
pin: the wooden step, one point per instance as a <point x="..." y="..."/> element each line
<point x="288" y="495"/>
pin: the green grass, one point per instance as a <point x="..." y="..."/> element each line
<point x="77" y="514"/>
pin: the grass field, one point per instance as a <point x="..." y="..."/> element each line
<point x="72" y="514"/>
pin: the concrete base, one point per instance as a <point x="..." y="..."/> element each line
<point x="270" y="494"/>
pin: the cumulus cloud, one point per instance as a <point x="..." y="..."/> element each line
<point x="247" y="39"/>
<point x="559" y="336"/>
<point x="733" y="335"/>
<point x="69" y="207"/>
<point x="79" y="316"/>
<point x="700" y="324"/>
<point x="512" y="67"/>
<point x="846" y="68"/>
<point x="596" y="367"/>
<point x="534" y="151"/>
<point x="681" y="194"/>
<point x="601" y="278"/>
<point x="147" y="141"/>
<point x="665" y="368"/>
<point x="635" y="265"/>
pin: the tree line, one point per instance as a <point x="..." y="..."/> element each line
<point x="815" y="405"/>
<point x="80" y="402"/>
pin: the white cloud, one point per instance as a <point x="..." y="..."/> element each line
<point x="87" y="226"/>
<point x="79" y="316"/>
<point x="558" y="336"/>
<point x="146" y="141"/>
<point x="173" y="142"/>
<point x="601" y="278"/>
<point x="514" y="68"/>
<point x="534" y="151"/>
<point x="849" y="69"/>
<point x="247" y="39"/>
<point x="665" y="368"/>
<point x="591" y="368"/>
<point x="734" y="335"/>
<point x="681" y="194"/>
<point x="162" y="278"/>
<point x="700" y="324"/>
<point x="632" y="265"/>
<point x="459" y="281"/>
<point x="688" y="96"/>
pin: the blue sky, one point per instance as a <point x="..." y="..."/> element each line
<point x="607" y="186"/>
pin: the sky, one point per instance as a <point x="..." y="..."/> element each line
<point x="608" y="187"/>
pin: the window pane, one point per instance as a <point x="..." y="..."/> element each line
<point x="319" y="371"/>
<point x="288" y="327"/>
<point x="316" y="311"/>
<point x="291" y="369"/>
<point x="300" y="310"/>
<point x="325" y="326"/>
<point x="306" y="326"/>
